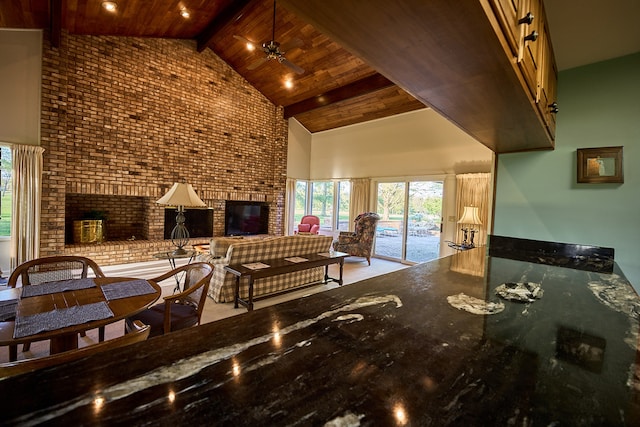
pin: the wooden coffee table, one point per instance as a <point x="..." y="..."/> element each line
<point x="283" y="266"/>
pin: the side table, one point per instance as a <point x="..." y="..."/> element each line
<point x="459" y="246"/>
<point x="172" y="257"/>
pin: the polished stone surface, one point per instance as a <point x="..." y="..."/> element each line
<point x="583" y="257"/>
<point x="391" y="350"/>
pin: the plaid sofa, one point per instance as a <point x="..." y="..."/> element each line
<point x="244" y="251"/>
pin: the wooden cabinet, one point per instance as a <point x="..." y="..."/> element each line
<point x="547" y="91"/>
<point x="509" y="13"/>
<point x="529" y="54"/>
<point x="524" y="26"/>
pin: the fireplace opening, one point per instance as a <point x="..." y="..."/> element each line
<point x="199" y="222"/>
<point x="124" y="216"/>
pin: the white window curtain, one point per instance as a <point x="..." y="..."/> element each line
<point x="25" y="211"/>
<point x="472" y="189"/>
<point x="359" y="202"/>
<point x="290" y="203"/>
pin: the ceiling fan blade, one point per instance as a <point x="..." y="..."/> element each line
<point x="291" y="44"/>
<point x="291" y="65"/>
<point x="255" y="64"/>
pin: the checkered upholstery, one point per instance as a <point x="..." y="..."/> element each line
<point x="253" y="250"/>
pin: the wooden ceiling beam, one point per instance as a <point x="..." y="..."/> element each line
<point x="55" y="21"/>
<point x="360" y="87"/>
<point x="230" y="14"/>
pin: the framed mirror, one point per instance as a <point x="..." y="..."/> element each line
<point x="600" y="165"/>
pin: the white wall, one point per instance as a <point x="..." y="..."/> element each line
<point x="299" y="151"/>
<point x="20" y="74"/>
<point x="20" y="77"/>
<point x="412" y="144"/>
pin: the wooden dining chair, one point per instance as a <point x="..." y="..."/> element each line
<point x="136" y="332"/>
<point x="54" y="268"/>
<point x="181" y="310"/>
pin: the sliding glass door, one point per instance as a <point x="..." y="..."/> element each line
<point x="390" y="228"/>
<point x="411" y="220"/>
<point x="424" y="224"/>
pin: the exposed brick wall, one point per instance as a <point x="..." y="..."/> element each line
<point x="128" y="117"/>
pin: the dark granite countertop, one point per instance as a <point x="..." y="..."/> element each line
<point x="391" y="350"/>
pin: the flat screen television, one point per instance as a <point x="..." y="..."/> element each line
<point x="199" y="222"/>
<point x="245" y="218"/>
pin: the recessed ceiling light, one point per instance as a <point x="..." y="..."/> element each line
<point x="251" y="47"/>
<point x="288" y="83"/>
<point x="110" y="6"/>
<point x="184" y="13"/>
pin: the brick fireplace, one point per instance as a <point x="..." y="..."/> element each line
<point x="125" y="118"/>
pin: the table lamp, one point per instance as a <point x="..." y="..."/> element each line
<point x="180" y="195"/>
<point x="469" y="218"/>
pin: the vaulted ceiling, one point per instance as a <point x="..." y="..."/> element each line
<point x="336" y="88"/>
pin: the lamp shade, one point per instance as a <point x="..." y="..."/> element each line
<point x="470" y="216"/>
<point x="181" y="194"/>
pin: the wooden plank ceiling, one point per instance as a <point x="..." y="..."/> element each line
<point x="336" y="88"/>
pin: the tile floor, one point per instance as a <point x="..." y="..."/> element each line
<point x="355" y="269"/>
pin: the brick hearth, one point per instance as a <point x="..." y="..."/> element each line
<point x="128" y="117"/>
<point x="124" y="251"/>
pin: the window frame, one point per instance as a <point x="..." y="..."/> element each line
<point x="6" y="147"/>
<point x="335" y="207"/>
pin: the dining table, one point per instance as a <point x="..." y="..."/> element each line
<point x="58" y="311"/>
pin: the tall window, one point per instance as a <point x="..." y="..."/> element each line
<point x="5" y="191"/>
<point x="344" y="197"/>
<point x="322" y="203"/>
<point x="301" y="201"/>
<point x="328" y="200"/>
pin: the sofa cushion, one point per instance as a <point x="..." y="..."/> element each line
<point x="218" y="246"/>
<point x="304" y="227"/>
<point x="182" y="316"/>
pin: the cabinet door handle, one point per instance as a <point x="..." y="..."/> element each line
<point x="526" y="19"/>
<point x="553" y="107"/>
<point x="532" y="37"/>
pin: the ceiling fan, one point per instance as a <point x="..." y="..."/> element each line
<point x="274" y="50"/>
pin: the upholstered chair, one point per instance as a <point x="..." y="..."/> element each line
<point x="360" y="242"/>
<point x="309" y="224"/>
<point x="181" y="310"/>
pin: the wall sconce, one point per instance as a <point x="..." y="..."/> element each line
<point x="468" y="219"/>
<point x="180" y="195"/>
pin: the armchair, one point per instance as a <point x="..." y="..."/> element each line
<point x="360" y="242"/>
<point x="181" y="310"/>
<point x="309" y="224"/>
